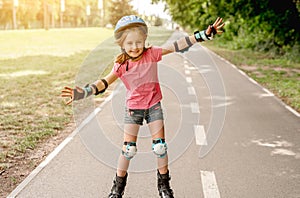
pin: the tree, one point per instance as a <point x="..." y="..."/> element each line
<point x="75" y="12"/>
<point x="27" y="12"/>
<point x="158" y="21"/>
<point x="251" y="24"/>
<point x="118" y="9"/>
<point x="6" y="12"/>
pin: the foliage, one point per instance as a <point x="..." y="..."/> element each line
<point x="47" y="13"/>
<point x="5" y="12"/>
<point x="118" y="9"/>
<point x="266" y="25"/>
<point x="158" y="21"/>
<point x="27" y="14"/>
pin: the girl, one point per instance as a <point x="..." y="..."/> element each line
<point x="136" y="66"/>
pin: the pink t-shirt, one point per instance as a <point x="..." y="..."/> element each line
<point x="141" y="80"/>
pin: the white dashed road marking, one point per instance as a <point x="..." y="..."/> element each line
<point x="200" y="135"/>
<point x="187" y="72"/>
<point x="191" y="91"/>
<point x="188" y="79"/>
<point x="209" y="184"/>
<point x="195" y="107"/>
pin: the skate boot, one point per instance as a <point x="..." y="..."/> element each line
<point x="164" y="186"/>
<point x="118" y="187"/>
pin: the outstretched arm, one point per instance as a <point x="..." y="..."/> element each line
<point x="183" y="44"/>
<point x="96" y="88"/>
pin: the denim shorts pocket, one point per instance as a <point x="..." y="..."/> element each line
<point x="133" y="117"/>
<point x="155" y="113"/>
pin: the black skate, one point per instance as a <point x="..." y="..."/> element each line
<point x="164" y="186"/>
<point x="117" y="190"/>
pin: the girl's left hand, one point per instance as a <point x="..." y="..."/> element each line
<point x="216" y="27"/>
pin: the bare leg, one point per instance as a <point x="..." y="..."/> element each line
<point x="157" y="131"/>
<point x="130" y="135"/>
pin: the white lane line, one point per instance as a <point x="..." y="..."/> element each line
<point x="253" y="81"/>
<point x="187" y="72"/>
<point x="191" y="91"/>
<point x="292" y="110"/>
<point x="190" y="67"/>
<point x="280" y="101"/>
<point x="200" y="135"/>
<point x="242" y="72"/>
<point x="209" y="184"/>
<point x="188" y="79"/>
<point x="268" y="92"/>
<point x="195" y="107"/>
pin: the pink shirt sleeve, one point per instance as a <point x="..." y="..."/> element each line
<point x="118" y="70"/>
<point x="156" y="53"/>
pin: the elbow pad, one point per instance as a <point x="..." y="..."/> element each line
<point x="101" y="91"/>
<point x="184" y="49"/>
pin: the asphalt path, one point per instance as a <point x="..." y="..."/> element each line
<point x="228" y="137"/>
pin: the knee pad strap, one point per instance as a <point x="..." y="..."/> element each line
<point x="130" y="150"/>
<point x="159" y="147"/>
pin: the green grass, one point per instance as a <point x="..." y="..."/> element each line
<point x="56" y="42"/>
<point x="34" y="67"/>
<point x="278" y="74"/>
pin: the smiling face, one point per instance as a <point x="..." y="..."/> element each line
<point x="134" y="43"/>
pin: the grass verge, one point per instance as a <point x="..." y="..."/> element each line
<point x="281" y="76"/>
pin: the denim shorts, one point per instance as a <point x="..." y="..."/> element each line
<point x="137" y="116"/>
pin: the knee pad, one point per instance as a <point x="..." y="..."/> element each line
<point x="159" y="147"/>
<point x="130" y="150"/>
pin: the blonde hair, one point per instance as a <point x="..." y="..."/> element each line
<point x="121" y="36"/>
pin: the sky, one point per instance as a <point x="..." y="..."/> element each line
<point x="145" y="7"/>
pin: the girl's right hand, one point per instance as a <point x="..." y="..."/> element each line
<point x="73" y="94"/>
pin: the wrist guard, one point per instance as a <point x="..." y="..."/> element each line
<point x="87" y="91"/>
<point x="202" y="36"/>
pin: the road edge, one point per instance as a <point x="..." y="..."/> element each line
<point x="58" y="149"/>
<point x="289" y="108"/>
